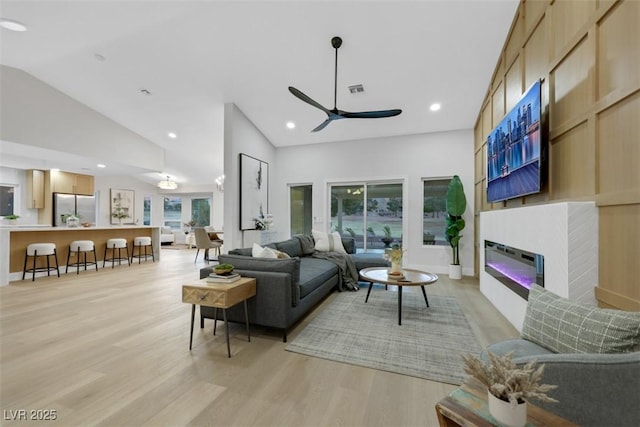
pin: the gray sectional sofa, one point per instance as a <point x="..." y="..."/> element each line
<point x="287" y="289"/>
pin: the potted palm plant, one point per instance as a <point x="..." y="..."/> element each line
<point x="456" y="204"/>
<point x="12" y="219"/>
<point x="387" y="239"/>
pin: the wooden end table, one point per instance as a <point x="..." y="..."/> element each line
<point x="410" y="278"/>
<point x="467" y="406"/>
<point x="219" y="295"/>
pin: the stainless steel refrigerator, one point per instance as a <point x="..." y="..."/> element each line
<point x="84" y="207"/>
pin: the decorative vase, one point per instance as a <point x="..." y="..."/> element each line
<point x="396" y="267"/>
<point x="73" y="221"/>
<point x="455" y="271"/>
<point x="119" y="221"/>
<point x="506" y="413"/>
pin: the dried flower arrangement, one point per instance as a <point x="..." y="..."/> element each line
<point x="506" y="381"/>
<point x="394" y="254"/>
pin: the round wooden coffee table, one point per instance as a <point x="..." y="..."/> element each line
<point x="411" y="278"/>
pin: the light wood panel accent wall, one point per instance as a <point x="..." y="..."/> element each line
<point x="587" y="54"/>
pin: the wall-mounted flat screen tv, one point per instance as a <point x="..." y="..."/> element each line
<point x="514" y="149"/>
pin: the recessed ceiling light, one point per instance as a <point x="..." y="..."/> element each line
<point x="100" y="165"/>
<point x="291" y="125"/>
<point x="12" y="25"/>
<point x="434" y="107"/>
<point x="172" y="135"/>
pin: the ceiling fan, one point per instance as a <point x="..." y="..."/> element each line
<point x="336" y="114"/>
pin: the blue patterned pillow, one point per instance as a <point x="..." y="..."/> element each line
<point x="565" y="326"/>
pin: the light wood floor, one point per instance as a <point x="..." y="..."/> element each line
<point x="110" y="348"/>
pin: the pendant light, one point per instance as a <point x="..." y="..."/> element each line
<point x="167" y="184"/>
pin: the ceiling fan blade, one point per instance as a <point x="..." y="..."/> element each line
<point x="336" y="114"/>
<point x="322" y="125"/>
<point x="306" y="99"/>
<point x="370" y="114"/>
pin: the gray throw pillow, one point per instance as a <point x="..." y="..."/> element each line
<point x="307" y="243"/>
<point x="565" y="326"/>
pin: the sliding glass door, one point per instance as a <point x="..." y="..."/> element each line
<point x="371" y="213"/>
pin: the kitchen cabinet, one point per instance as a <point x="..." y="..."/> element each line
<point x="72" y="183"/>
<point x="35" y="189"/>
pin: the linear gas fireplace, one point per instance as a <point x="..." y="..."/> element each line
<point x="515" y="268"/>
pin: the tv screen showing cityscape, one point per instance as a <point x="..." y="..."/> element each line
<point x="513" y="150"/>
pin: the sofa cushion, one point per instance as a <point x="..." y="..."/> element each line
<point x="367" y="259"/>
<point x="241" y="251"/>
<point x="307" y="245"/>
<point x="349" y="244"/>
<point x="313" y="273"/>
<point x="291" y="247"/>
<point x="566" y="326"/>
<point x="328" y="242"/>
<point x="241" y="262"/>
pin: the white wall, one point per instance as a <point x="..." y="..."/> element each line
<point x="103" y="186"/>
<point x="35" y="113"/>
<point x="241" y="136"/>
<point x="408" y="158"/>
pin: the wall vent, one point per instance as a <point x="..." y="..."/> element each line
<point x="356" y="88"/>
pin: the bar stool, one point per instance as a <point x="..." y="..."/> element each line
<point x="36" y="250"/>
<point x="78" y="247"/>
<point x="119" y="245"/>
<point x="140" y="243"/>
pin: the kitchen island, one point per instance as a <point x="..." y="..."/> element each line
<point x="14" y="242"/>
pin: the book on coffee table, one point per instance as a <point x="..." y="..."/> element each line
<point x="223" y="278"/>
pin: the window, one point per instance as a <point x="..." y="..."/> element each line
<point x="434" y="211"/>
<point x="7" y="200"/>
<point x="201" y="211"/>
<point x="147" y="210"/>
<point x="371" y="213"/>
<point x="300" y="201"/>
<point x="173" y="212"/>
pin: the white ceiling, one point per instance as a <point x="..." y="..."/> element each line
<point x="194" y="56"/>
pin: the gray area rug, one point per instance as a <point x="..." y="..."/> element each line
<point x="427" y="345"/>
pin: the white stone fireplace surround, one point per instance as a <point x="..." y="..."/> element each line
<point x="566" y="234"/>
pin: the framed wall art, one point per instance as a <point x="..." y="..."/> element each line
<point x="254" y="190"/>
<point x="122" y="204"/>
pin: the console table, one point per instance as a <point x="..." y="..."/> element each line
<point x="467" y="406"/>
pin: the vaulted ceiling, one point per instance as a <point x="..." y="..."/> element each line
<point x="195" y="56"/>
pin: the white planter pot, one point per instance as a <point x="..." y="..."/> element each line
<point x="506" y="413"/>
<point x="455" y="272"/>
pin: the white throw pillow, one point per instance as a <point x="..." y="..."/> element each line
<point x="258" y="251"/>
<point x="326" y="242"/>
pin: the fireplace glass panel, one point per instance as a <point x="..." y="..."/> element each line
<point x="515" y="268"/>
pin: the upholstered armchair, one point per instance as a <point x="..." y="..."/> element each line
<point x="589" y="353"/>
